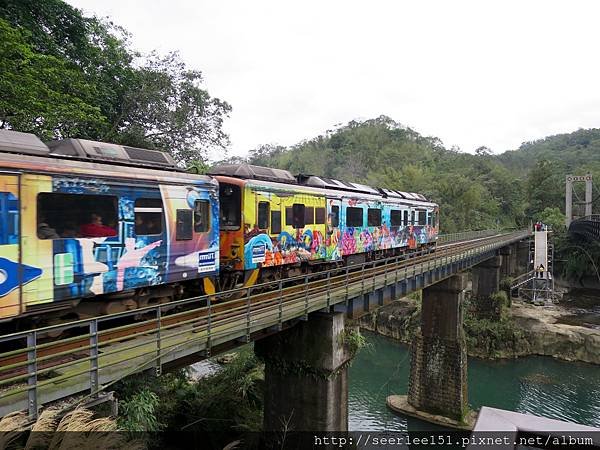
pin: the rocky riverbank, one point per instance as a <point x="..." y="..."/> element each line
<point x="557" y="331"/>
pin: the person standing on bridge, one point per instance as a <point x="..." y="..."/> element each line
<point x="540" y="271"/>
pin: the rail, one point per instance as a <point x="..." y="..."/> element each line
<point x="36" y="368"/>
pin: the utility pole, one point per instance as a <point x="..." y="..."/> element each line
<point x="569" y="195"/>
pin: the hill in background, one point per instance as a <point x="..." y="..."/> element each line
<point x="476" y="191"/>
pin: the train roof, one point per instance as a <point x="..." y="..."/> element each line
<point x="85" y="150"/>
<point x="274" y="186"/>
<point x="259" y="173"/>
<point x="287" y="188"/>
<point x="24" y="151"/>
<point x="251" y="172"/>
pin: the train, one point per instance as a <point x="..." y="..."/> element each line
<point x="90" y="228"/>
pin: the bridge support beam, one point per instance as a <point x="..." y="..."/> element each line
<point x="486" y="277"/>
<point x="486" y="283"/>
<point x="306" y="376"/>
<point x="522" y="256"/>
<point x="438" y="369"/>
<point x="509" y="261"/>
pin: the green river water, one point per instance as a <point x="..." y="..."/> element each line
<point x="537" y="385"/>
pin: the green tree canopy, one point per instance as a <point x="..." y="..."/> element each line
<point x="65" y="74"/>
<point x="42" y="93"/>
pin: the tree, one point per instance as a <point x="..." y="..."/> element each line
<point x="483" y="151"/>
<point x="71" y="75"/>
<point x="544" y="188"/>
<point x="42" y="94"/>
<point x="554" y="218"/>
<point x="264" y="154"/>
<point x="164" y="107"/>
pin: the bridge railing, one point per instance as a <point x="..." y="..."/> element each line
<point x="466" y="235"/>
<point x="100" y="350"/>
<point x="587" y="227"/>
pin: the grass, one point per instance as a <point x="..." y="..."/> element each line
<point x="78" y="429"/>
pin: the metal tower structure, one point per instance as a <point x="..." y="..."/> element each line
<point x="587" y="179"/>
<point x="537" y="285"/>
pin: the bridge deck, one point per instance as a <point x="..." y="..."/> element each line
<point x="101" y="352"/>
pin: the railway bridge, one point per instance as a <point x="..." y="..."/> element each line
<point x="299" y="326"/>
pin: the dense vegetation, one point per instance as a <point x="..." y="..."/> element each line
<point x="228" y="403"/>
<point x="66" y="75"/>
<point x="478" y="190"/>
<point x="475" y="191"/>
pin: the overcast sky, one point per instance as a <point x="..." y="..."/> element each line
<point x="493" y="73"/>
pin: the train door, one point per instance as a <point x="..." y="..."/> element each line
<point x="275" y="217"/>
<point x="412" y="229"/>
<point x="193" y="242"/>
<point x="332" y="230"/>
<point x="11" y="278"/>
<point x="36" y="254"/>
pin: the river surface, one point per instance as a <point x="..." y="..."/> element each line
<point x="537" y="385"/>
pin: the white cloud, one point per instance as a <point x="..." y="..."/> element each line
<point x="472" y="73"/>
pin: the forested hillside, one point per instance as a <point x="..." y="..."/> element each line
<point x="478" y="190"/>
<point x="577" y="151"/>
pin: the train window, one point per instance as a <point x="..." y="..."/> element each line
<point x="309" y="215"/>
<point x="395" y="218"/>
<point x="148" y="216"/>
<point x="298" y="211"/>
<point x="405" y="215"/>
<point x="263" y="216"/>
<point x="422" y="217"/>
<point x="319" y="216"/>
<point x="76" y="215"/>
<point x="354" y="217"/>
<point x="275" y="222"/>
<point x="201" y="216"/>
<point x="183" y="228"/>
<point x="374" y="217"/>
<point x="230" y="205"/>
<point x="434" y="219"/>
<point x="289" y="216"/>
<point x="335" y="216"/>
<point x="413" y="219"/>
<point x="9" y="223"/>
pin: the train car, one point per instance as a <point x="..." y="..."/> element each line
<point x="275" y="225"/>
<point x="91" y="220"/>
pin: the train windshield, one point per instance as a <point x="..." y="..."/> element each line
<point x="230" y="197"/>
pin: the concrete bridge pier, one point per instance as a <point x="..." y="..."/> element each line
<point x="306" y="376"/>
<point x="509" y="261"/>
<point x="522" y="249"/>
<point x="486" y="277"/>
<point x="486" y="283"/>
<point x="438" y="370"/>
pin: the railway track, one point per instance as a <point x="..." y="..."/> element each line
<point x="273" y="290"/>
<point x="96" y="344"/>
